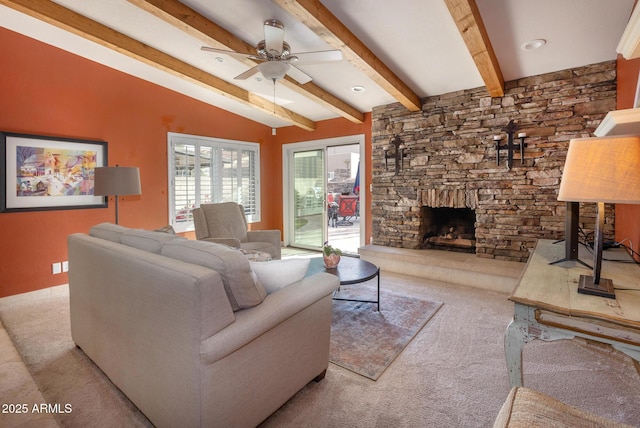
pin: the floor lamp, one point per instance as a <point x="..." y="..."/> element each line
<point x="601" y="170"/>
<point x="117" y="181"/>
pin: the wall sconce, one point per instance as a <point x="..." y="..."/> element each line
<point x="397" y="151"/>
<point x="510" y="146"/>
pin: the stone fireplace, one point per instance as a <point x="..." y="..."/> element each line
<point x="449" y="220"/>
<point x="449" y="229"/>
<point x="451" y="164"/>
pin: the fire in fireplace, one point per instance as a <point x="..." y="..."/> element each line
<point x="449" y="229"/>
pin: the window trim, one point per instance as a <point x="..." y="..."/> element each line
<point x="197" y="141"/>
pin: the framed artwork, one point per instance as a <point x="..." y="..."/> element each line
<point x="49" y="173"/>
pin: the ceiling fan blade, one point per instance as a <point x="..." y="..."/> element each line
<point x="225" y="52"/>
<point x="250" y="72"/>
<point x="298" y="75"/>
<point x="318" y="56"/>
<point x="273" y="36"/>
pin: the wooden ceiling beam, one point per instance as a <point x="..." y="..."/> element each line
<point x="321" y="21"/>
<point x="211" y="34"/>
<point x="80" y="25"/>
<point x="195" y="25"/>
<point x="467" y="17"/>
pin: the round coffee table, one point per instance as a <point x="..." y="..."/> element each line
<point x="351" y="270"/>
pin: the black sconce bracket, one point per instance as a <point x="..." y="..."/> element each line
<point x="398" y="152"/>
<point x="510" y="129"/>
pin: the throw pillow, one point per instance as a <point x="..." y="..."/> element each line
<point x="277" y="274"/>
<point x="243" y="291"/>
<point x="167" y="229"/>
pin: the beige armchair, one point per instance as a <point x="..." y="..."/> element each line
<point x="225" y="223"/>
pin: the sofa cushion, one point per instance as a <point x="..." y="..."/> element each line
<point x="239" y="280"/>
<point x="276" y="274"/>
<point x="109" y="231"/>
<point x="146" y="240"/>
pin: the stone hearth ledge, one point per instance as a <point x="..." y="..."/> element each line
<point x="446" y="266"/>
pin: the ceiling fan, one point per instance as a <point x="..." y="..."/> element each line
<point x="276" y="58"/>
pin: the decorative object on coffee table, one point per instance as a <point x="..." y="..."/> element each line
<point x="331" y="255"/>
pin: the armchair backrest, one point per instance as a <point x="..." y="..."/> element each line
<point x="221" y="220"/>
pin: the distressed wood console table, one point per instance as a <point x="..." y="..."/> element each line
<point x="548" y="306"/>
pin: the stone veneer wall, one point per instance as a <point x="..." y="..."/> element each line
<point x="452" y="159"/>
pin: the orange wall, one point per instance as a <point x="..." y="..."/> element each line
<point x="628" y="216"/>
<point x="51" y="92"/>
<point x="48" y="91"/>
<point x="331" y="129"/>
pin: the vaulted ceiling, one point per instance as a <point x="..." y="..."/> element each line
<point x="397" y="51"/>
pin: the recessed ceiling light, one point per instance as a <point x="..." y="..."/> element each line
<point x="219" y="59"/>
<point x="358" y="88"/>
<point x="533" y="44"/>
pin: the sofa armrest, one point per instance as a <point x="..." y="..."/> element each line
<point x="271" y="236"/>
<point x="264" y="236"/>
<point x="276" y="308"/>
<point x="231" y="242"/>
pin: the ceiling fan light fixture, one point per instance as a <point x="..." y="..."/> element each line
<point x="261" y="49"/>
<point x="533" y="44"/>
<point x="274" y="70"/>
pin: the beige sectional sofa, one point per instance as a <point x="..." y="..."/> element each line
<point x="186" y="330"/>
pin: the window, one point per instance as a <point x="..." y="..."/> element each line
<point x="205" y="170"/>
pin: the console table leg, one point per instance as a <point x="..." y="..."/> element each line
<point x="514" y="339"/>
<point x="630" y="350"/>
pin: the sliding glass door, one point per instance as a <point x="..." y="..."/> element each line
<point x="308" y="198"/>
<point x="317" y="176"/>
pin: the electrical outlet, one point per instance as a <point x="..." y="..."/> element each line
<point x="65" y="266"/>
<point x="56" y="268"/>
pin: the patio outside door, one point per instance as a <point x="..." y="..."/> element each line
<point x="309" y="198"/>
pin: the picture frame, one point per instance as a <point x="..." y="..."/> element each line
<point x="49" y="173"/>
<point x="636" y="101"/>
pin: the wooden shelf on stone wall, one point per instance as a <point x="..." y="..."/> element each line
<point x="620" y="122"/>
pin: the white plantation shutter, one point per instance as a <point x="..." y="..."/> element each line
<point x="205" y="170"/>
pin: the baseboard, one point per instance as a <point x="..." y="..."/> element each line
<point x="446" y="266"/>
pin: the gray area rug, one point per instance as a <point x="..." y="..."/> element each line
<point x="367" y="341"/>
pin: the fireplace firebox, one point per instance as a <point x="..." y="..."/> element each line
<point x="450" y="229"/>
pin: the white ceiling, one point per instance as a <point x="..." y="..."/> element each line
<point x="417" y="39"/>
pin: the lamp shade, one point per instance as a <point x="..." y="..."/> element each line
<point x="117" y="180"/>
<point x="605" y="169"/>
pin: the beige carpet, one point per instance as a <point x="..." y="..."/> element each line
<point x="38" y="324"/>
<point x="365" y="340"/>
<point x="452" y="374"/>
